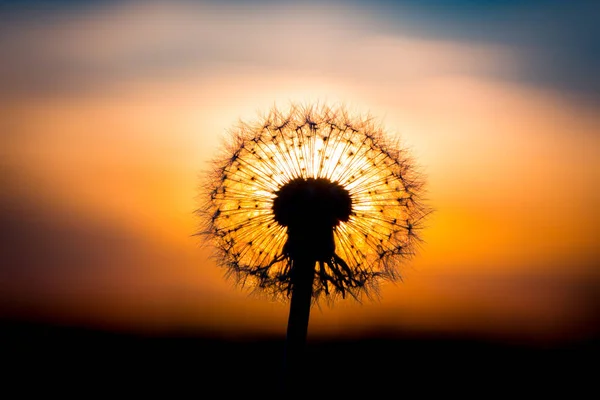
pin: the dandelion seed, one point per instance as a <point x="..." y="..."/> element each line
<point x="313" y="182"/>
<point x="311" y="204"/>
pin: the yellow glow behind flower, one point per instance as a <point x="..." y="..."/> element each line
<point x="313" y="142"/>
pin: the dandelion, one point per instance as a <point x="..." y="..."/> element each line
<point x="312" y="203"/>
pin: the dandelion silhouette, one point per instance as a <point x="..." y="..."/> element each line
<point x="312" y="203"/>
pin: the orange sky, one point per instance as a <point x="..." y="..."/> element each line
<point x="100" y="184"/>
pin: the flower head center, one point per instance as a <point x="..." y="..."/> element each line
<point x="310" y="209"/>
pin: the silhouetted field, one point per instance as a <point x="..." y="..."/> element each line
<point x="62" y="360"/>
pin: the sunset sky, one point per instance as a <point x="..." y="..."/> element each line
<point x="111" y="111"/>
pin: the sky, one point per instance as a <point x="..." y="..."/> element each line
<point x="111" y="112"/>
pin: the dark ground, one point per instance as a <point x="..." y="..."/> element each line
<point x="71" y="361"/>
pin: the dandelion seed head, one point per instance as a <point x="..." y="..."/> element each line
<point x="313" y="182"/>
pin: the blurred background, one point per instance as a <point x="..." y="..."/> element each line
<point x="110" y="111"/>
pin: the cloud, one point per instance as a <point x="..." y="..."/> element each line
<point x="556" y="42"/>
<point x="88" y="48"/>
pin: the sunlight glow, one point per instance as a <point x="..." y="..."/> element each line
<point x="110" y="116"/>
<point x="324" y="143"/>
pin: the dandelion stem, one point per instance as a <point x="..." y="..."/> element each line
<point x="303" y="272"/>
